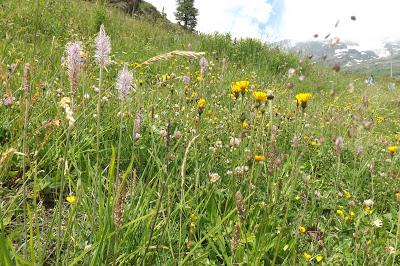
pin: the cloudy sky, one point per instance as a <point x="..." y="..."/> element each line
<point x="298" y="20"/>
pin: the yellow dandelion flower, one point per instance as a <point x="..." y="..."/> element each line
<point x="71" y="199"/>
<point x="319" y="258"/>
<point x="313" y="143"/>
<point x="243" y="85"/>
<point x="368" y="210"/>
<point x="340" y="212"/>
<point x="307" y="256"/>
<point x="260" y="96"/>
<point x="235" y="89"/>
<point x="166" y="77"/>
<point x="346" y="194"/>
<point x="259" y="158"/>
<point x="199" y="78"/>
<point x="380" y="119"/>
<point x="201" y="103"/>
<point x="302" y="229"/>
<point x="193" y="95"/>
<point x="393" y="149"/>
<point x="302" y="99"/>
<point x="245" y="125"/>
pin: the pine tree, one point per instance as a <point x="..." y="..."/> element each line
<point x="187" y="14"/>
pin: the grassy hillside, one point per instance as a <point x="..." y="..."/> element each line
<point x="183" y="171"/>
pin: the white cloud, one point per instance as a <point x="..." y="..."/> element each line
<point x="377" y="21"/>
<point x="238" y="17"/>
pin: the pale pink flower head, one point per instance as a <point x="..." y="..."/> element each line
<point x="124" y="83"/>
<point x="103" y="48"/>
<point x="74" y="61"/>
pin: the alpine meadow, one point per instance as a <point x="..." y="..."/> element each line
<point x="126" y="139"/>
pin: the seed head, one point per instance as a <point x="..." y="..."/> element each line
<point x="240" y="206"/>
<point x="235" y="237"/>
<point x="27" y="80"/>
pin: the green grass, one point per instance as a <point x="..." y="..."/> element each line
<point x="171" y="212"/>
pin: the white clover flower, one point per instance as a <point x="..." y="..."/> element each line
<point x="378" y="223"/>
<point x="213" y="177"/>
<point x="368" y="203"/>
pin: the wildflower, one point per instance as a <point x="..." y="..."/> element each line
<point x="119" y="205"/>
<point x="340" y="213"/>
<point x="295" y="142"/>
<point x="368" y="210"/>
<point x="368" y="203"/>
<point x="138" y="124"/>
<point x="213" y="177"/>
<point x="291" y="72"/>
<point x="302" y="99"/>
<point x="243" y="85"/>
<point x="64" y="102"/>
<point x="71" y="199"/>
<point x="390" y="249"/>
<point x="218" y="144"/>
<point x="186" y="80"/>
<point x="245" y="125"/>
<point x="393" y="149"/>
<point x="346" y="194"/>
<point x="241" y="170"/>
<point x="302" y="229"/>
<point x="201" y="104"/>
<point x="8" y="101"/>
<point x="74" y="61"/>
<point x="163" y="133"/>
<point x="235" y="90"/>
<point x="260" y="96"/>
<point x="313" y="143"/>
<point x="177" y="134"/>
<point x="69" y="115"/>
<point x="259" y="158"/>
<point x="240" y="206"/>
<point x="27" y="80"/>
<point x="203" y="66"/>
<point x="124" y="83"/>
<point x="234" y="142"/>
<point x="235" y="237"/>
<point x="307" y="256"/>
<point x="377" y="223"/>
<point x="103" y="48"/>
<point x="339" y="145"/>
<point x="319" y="258"/>
<point x="270" y="95"/>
